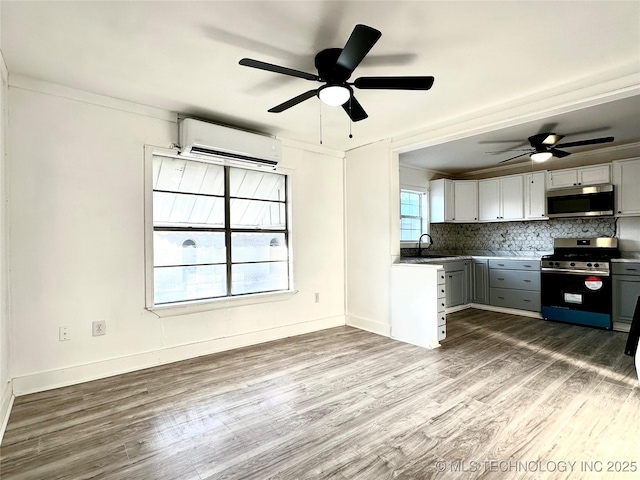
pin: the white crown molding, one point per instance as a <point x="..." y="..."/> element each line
<point x="309" y="147"/>
<point x="612" y="151"/>
<point x="567" y="98"/>
<point x="48" y="88"/>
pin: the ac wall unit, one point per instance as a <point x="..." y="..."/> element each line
<point x="227" y="145"/>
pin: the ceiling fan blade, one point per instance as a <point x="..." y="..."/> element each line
<point x="248" y="62"/>
<point x="544" y="138"/>
<point x="559" y="153"/>
<point x="495" y="152"/>
<point x="517" y="156"/>
<point x="294" y="101"/>
<point x="354" y="109"/>
<point x="394" y="83"/>
<point x="579" y="143"/>
<point x="362" y="39"/>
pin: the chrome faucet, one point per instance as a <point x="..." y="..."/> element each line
<point x="420" y="243"/>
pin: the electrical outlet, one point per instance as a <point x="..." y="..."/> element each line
<point x="63" y="334"/>
<point x="317" y="297"/>
<point x="99" y="328"/>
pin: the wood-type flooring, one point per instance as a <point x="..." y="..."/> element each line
<point x="504" y="397"/>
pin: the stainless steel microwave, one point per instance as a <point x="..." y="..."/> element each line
<point x="593" y="201"/>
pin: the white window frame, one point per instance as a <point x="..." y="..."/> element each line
<point x="424" y="214"/>
<point x="187" y="307"/>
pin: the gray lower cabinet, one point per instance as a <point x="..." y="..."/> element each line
<point x="479" y="284"/>
<point x="514" y="284"/>
<point x="626" y="290"/>
<point x="456" y="283"/>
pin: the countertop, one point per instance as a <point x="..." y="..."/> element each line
<point x="627" y="257"/>
<point x="430" y="256"/>
<point x="435" y="256"/>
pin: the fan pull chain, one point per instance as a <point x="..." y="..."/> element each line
<point x="350" y="120"/>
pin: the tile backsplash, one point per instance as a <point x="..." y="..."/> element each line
<point x="517" y="236"/>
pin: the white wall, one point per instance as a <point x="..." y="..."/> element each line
<point x="6" y="394"/>
<point x="629" y="234"/>
<point x="415" y="177"/>
<point x="75" y="161"/>
<point x="372" y="231"/>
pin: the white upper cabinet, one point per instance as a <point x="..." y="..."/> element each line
<point x="501" y="199"/>
<point x="441" y="200"/>
<point x="453" y="200"/>
<point x="535" y="196"/>
<point x="465" y="205"/>
<point x="570" y="177"/>
<point x="626" y="178"/>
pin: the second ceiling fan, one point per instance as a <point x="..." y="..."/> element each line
<point x="545" y="145"/>
<point x="335" y="66"/>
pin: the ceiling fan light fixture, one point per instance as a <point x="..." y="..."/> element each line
<point x="334" y="95"/>
<point x="541" y="156"/>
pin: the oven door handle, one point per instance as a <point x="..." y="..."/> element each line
<point x="568" y="271"/>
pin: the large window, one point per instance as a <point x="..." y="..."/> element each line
<point x="413" y="210"/>
<point x="218" y="231"/>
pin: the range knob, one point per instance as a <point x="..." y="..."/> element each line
<point x="596" y="265"/>
<point x="557" y="264"/>
<point x="573" y="264"/>
<point x="589" y="265"/>
<point x="551" y="264"/>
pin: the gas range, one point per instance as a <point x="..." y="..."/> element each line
<point x="581" y="255"/>
<point x="576" y="281"/>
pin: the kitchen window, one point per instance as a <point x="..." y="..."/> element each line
<point x="413" y="221"/>
<point x="218" y="232"/>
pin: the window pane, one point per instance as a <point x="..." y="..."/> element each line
<point x="178" y="175"/>
<point x="257" y="214"/>
<point x="188" y="248"/>
<point x="256" y="184"/>
<point x="259" y="277"/>
<point x="176" y="284"/>
<point x="258" y="247"/>
<point x="179" y="209"/>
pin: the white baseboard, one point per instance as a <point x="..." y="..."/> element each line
<point x="512" y="311"/>
<point x="63" y="377"/>
<point x="369" y="325"/>
<point x="6" y="402"/>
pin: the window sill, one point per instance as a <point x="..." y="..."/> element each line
<point x="187" y="308"/>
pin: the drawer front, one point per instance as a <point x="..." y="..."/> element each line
<point x="454" y="266"/>
<point x="517" y="279"/>
<point x="441" y="277"/>
<point x="519" y="299"/>
<point x="515" y="264"/>
<point x="442" y="304"/>
<point x="625" y="268"/>
<point x="442" y="319"/>
<point x="442" y="332"/>
<point x="441" y="291"/>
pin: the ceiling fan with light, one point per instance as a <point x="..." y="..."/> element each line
<point x="545" y="145"/>
<point x="335" y="66"/>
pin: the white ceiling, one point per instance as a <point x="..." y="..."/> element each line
<point x="486" y="57"/>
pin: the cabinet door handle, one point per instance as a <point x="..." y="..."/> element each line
<point x="631" y="269"/>
<point x="527" y="266"/>
<point x="501" y="279"/>
<point x="527" y="300"/>
<point x="501" y="298"/>
<point x="527" y="281"/>
<point x="501" y="264"/>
